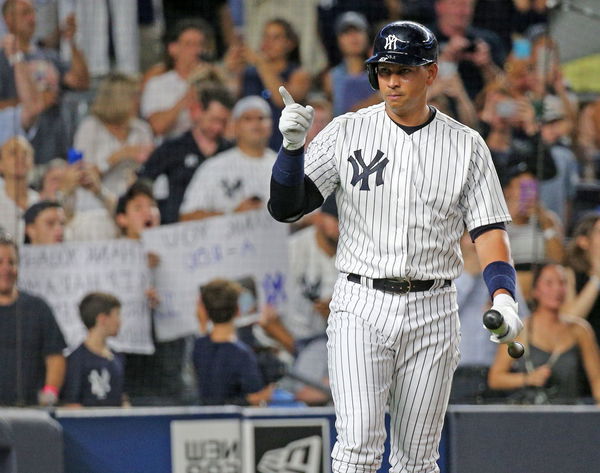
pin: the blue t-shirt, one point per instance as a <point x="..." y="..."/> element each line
<point x="93" y="380"/>
<point x="226" y="371"/>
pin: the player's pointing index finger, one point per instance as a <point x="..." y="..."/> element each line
<point x="285" y="95"/>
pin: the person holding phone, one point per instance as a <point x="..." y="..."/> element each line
<point x="536" y="233"/>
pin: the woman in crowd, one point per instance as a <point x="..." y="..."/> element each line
<point x="112" y="137"/>
<point x="277" y="63"/>
<point x="556" y="346"/>
<point x="583" y="273"/>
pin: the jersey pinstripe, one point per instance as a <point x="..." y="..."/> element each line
<point x="404" y="199"/>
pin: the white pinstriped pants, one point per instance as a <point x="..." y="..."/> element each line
<point x="396" y="348"/>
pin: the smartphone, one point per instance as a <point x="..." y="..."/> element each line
<point x="74" y="156"/>
<point x="521" y="48"/>
<point x="527" y="195"/>
<point x="506" y="108"/>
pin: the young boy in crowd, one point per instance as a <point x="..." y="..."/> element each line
<point x="95" y="374"/>
<point x="44" y="223"/>
<point x="227" y="370"/>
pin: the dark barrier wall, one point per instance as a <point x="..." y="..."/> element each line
<point x="32" y="442"/>
<point x="519" y="439"/>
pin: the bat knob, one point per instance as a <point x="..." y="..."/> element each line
<point x="492" y="319"/>
<point x="516" y="350"/>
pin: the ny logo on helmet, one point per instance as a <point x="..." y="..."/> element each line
<point x="362" y="171"/>
<point x="391" y="43"/>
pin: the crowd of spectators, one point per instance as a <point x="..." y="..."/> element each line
<point x="124" y="115"/>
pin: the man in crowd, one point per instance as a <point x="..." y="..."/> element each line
<point x="32" y="371"/>
<point x="179" y="158"/>
<point x="238" y="179"/>
<point x="50" y="74"/>
<point x="45" y="223"/>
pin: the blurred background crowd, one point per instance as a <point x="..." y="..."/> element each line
<point x="122" y="115"/>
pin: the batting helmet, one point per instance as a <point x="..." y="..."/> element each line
<point x="402" y="42"/>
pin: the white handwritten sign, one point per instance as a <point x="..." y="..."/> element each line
<point x="249" y="245"/>
<point x="64" y="274"/>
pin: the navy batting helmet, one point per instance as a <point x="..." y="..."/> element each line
<point x="402" y="42"/>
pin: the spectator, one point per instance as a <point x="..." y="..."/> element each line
<point x="179" y="158"/>
<point x="347" y="84"/>
<point x="227" y="370"/>
<point x="16" y="162"/>
<point x="311" y="366"/>
<point x="17" y="115"/>
<point x="33" y="371"/>
<point x="477" y="53"/>
<point x="303" y="16"/>
<point x="238" y="179"/>
<point x="167" y="98"/>
<point x="312" y="276"/>
<point x="448" y="94"/>
<point x="44" y="223"/>
<point x="95" y="374"/>
<point x="107" y="34"/>
<point x="583" y="272"/>
<point x="556" y="345"/>
<point x="49" y="73"/>
<point x="212" y="12"/>
<point x="112" y="138"/>
<point x="588" y="140"/>
<point x="276" y="64"/>
<point x="157" y="378"/>
<point x="536" y="233"/>
<point x="558" y="193"/>
<point x="476" y="351"/>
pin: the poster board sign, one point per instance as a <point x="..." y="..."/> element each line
<point x="63" y="274"/>
<point x="248" y="247"/>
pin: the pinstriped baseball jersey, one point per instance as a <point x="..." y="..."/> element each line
<point x="404" y="199"/>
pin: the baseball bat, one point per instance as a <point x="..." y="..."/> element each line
<point x="494" y="322"/>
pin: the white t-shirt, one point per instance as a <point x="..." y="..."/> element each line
<point x="160" y="94"/>
<point x="97" y="144"/>
<point x="225" y="180"/>
<point x="312" y="277"/>
<point x="11" y="216"/>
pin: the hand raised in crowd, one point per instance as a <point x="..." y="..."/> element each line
<point x="69" y="28"/>
<point x="539" y="376"/>
<point x="90" y="178"/>
<point x="71" y="179"/>
<point x="453" y="51"/>
<point x="482" y="56"/>
<point x="152" y="297"/>
<point x="153" y="259"/>
<point x="234" y="59"/>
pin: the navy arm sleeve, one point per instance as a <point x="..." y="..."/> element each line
<point x="292" y="193"/>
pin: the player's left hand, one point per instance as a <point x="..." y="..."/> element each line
<point x="508" y="307"/>
<point x="294" y="122"/>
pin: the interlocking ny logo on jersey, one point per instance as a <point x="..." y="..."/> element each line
<point x="231" y="188"/>
<point x="300" y="456"/>
<point x="362" y="171"/>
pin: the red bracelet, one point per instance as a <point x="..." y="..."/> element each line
<point x="49" y="389"/>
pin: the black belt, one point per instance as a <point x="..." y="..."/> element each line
<point x="401" y="285"/>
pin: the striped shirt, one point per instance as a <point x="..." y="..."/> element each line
<point x="404" y="199"/>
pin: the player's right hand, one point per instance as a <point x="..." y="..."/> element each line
<point x="508" y="307"/>
<point x="294" y="122"/>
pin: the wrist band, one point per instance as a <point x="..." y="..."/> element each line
<point x="500" y="275"/>
<point x="49" y="389"/>
<point x="596" y="280"/>
<point x="288" y="169"/>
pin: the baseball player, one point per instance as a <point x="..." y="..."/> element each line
<point x="407" y="180"/>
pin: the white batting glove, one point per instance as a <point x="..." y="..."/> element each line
<point x="509" y="308"/>
<point x="294" y="122"/>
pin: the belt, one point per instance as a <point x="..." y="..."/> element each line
<point x="400" y="285"/>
